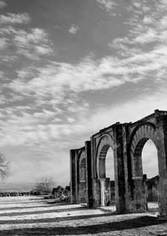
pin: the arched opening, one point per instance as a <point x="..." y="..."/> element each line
<point x="82" y="180"/>
<point x="110" y="164"/>
<point x="82" y="170"/>
<point x="151" y="174"/>
<point x="110" y="178"/>
<point x="107" y="177"/>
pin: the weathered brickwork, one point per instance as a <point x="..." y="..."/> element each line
<point x="79" y="176"/>
<point x="88" y="174"/>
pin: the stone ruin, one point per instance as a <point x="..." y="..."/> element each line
<point x="88" y="172"/>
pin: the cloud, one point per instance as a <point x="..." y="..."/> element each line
<point x="14" y="18"/>
<point x="73" y="29"/>
<point x="36" y="35"/>
<point x="149" y="36"/>
<point x="126" y="112"/>
<point x="55" y="140"/>
<point x="108" y="5"/>
<point x="144" y="47"/>
<point x="137" y="4"/>
<point x="32" y="44"/>
<point x="20" y="127"/>
<point x="58" y="83"/>
<point x="3" y="43"/>
<point x="61" y="85"/>
<point x="57" y="80"/>
<point x="57" y="96"/>
<point x="29" y="42"/>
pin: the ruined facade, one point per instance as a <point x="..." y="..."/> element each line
<point x="88" y="174"/>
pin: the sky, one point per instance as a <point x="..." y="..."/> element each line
<point x="71" y="67"/>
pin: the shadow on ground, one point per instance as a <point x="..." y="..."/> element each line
<point x="55" y="219"/>
<point x="93" y="229"/>
<point x="41" y="212"/>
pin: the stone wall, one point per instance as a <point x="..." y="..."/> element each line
<point x="127" y="141"/>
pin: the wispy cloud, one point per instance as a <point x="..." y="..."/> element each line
<point x="14" y="18"/>
<point x="3" y="43"/>
<point x="56" y="81"/>
<point x="108" y="5"/>
<point x="59" y="84"/>
<point x="73" y="29"/>
<point x="32" y="44"/>
<point x="49" y="104"/>
<point x="20" y="127"/>
<point x="26" y="129"/>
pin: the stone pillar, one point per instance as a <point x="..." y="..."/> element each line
<point x="161" y="134"/>
<point x="139" y="203"/>
<point x="108" y="192"/>
<point x="119" y="170"/>
<point x="73" y="182"/>
<point x="102" y="191"/>
<point x="96" y="193"/>
<point x="127" y="167"/>
<point x="95" y="181"/>
<point x="89" y="174"/>
<point x="145" y="190"/>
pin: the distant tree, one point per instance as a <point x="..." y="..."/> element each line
<point x="44" y="185"/>
<point x="4" y="167"/>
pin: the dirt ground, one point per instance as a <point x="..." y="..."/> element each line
<point x="34" y="216"/>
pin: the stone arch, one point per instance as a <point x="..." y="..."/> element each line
<point x="82" y="176"/>
<point x="82" y="167"/>
<point x="106" y="189"/>
<point x="105" y="142"/>
<point x="140" y="136"/>
<point x="129" y="139"/>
